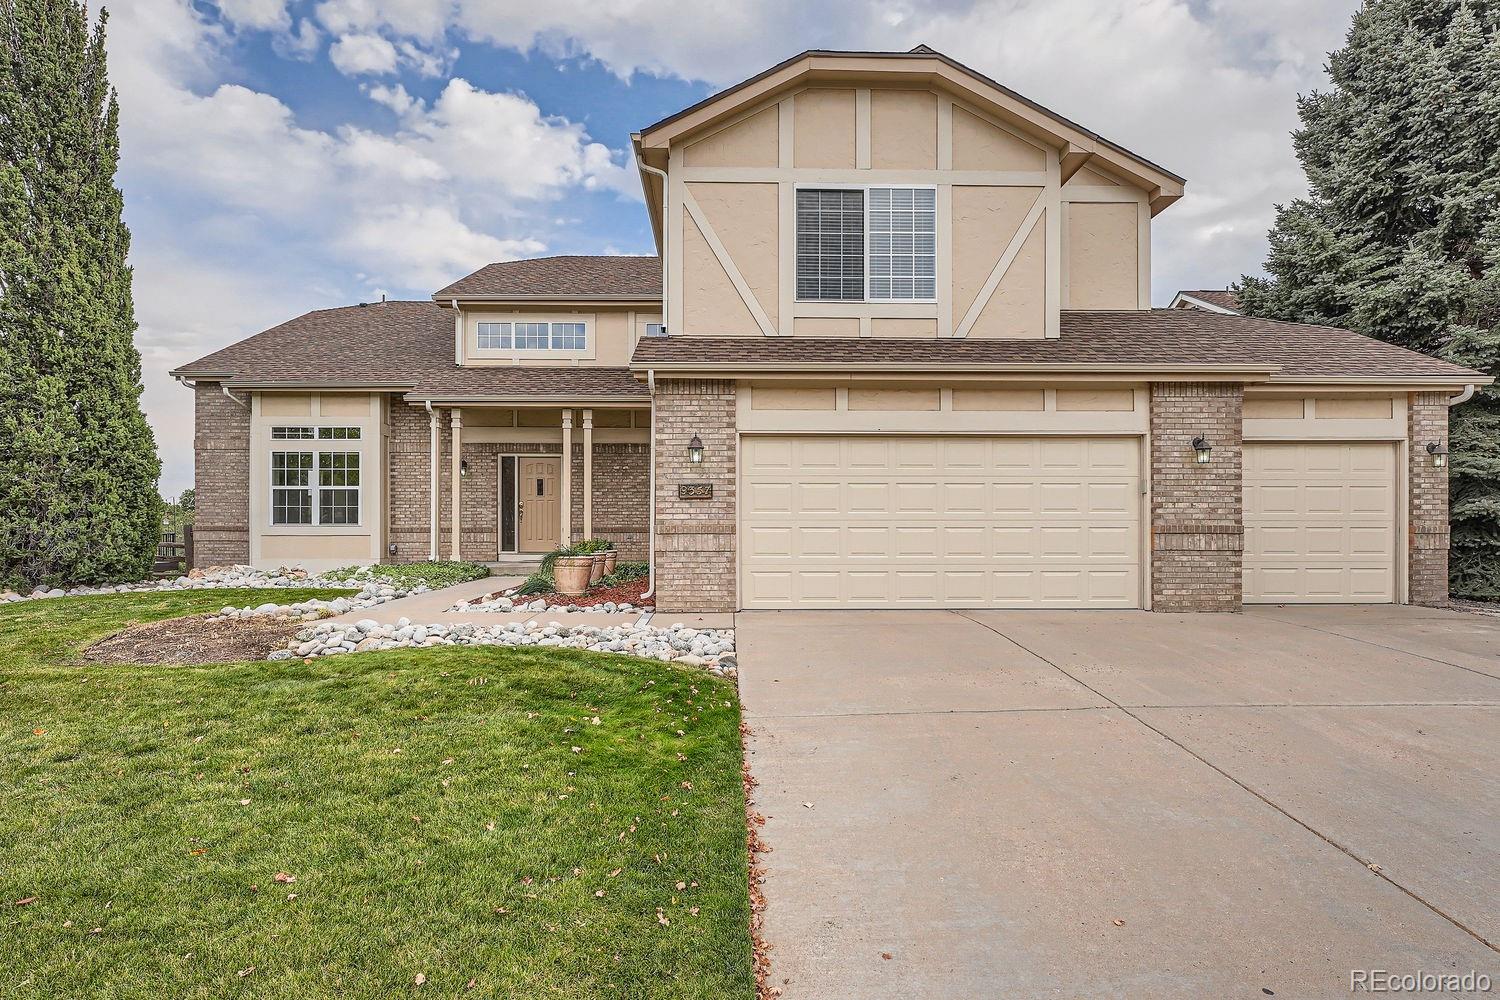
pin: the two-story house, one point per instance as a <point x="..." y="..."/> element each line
<point x="897" y="350"/>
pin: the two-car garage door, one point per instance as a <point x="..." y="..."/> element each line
<point x="927" y="522"/>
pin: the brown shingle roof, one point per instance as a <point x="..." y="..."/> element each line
<point x="408" y="346"/>
<point x="1224" y="298"/>
<point x="1160" y="339"/>
<point x="405" y="345"/>
<point x="562" y="277"/>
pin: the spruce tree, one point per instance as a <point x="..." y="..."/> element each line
<point x="78" y="462"/>
<point x="1399" y="236"/>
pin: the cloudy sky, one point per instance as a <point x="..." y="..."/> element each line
<point x="286" y="155"/>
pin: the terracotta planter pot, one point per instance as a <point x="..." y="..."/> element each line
<point x="596" y="573"/>
<point x="571" y="574"/>
<point x="611" y="557"/>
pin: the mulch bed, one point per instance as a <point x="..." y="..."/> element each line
<point x="194" y="639"/>
<point x="625" y="593"/>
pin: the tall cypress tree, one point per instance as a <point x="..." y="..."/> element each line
<point x="1399" y="236"/>
<point x="78" y="462"/>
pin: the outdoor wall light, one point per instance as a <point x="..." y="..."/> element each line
<point x="1439" y="453"/>
<point x="695" y="450"/>
<point x="463" y="467"/>
<point x="1201" y="449"/>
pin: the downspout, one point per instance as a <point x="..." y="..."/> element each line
<point x="665" y="297"/>
<point x="432" y="485"/>
<point x="1462" y="397"/>
<point x="246" y="405"/>
<point x="651" y="490"/>
<point x="651" y="380"/>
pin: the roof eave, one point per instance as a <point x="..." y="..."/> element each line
<point x="446" y="301"/>
<point x="1238" y="373"/>
<point x="521" y="399"/>
<point x="1164" y="185"/>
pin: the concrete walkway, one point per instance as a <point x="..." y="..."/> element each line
<point x="434" y="607"/>
<point x="1101" y="804"/>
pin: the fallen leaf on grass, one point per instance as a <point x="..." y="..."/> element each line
<point x="285" y="877"/>
<point x="245" y="972"/>
<point x="490" y="827"/>
<point x="244" y="802"/>
<point x="661" y="918"/>
<point x="26" y="901"/>
<point x="39" y="732"/>
<point x="420" y="980"/>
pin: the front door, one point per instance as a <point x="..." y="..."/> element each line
<point x="538" y="507"/>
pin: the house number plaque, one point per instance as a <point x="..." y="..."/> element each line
<point x="695" y="491"/>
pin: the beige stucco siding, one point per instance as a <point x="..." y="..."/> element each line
<point x="1102" y="256"/>
<point x="1017" y="309"/>
<point x="713" y="306"/>
<point x="744" y="218"/>
<point x="753" y="142"/>
<point x="903" y="129"/>
<point x="825" y="129"/>
<point x="985" y="220"/>
<point x="979" y="145"/>
<point x="1011" y="239"/>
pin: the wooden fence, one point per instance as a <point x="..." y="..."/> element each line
<point x="174" y="553"/>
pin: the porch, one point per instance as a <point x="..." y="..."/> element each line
<point x="506" y="483"/>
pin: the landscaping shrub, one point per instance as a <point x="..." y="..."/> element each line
<point x="433" y="574"/>
<point x="626" y="572"/>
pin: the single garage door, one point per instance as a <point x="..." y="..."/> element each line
<point x="1320" y="523"/>
<point x="933" y="522"/>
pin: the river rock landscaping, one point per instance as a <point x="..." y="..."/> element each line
<point x="711" y="649"/>
<point x="623" y="597"/>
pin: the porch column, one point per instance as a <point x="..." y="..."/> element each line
<point x="588" y="473"/>
<point x="456" y="472"/>
<point x="566" y="500"/>
<point x="434" y="485"/>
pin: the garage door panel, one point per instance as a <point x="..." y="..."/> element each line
<point x="1320" y="522"/>
<point x="934" y="522"/>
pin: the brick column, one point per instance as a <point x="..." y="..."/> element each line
<point x="695" y="539"/>
<point x="221" y="477"/>
<point x="1427" y="502"/>
<point x="413" y="482"/>
<point x="1197" y="511"/>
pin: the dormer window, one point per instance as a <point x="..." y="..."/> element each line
<point x="532" y="336"/>
<point x="867" y="244"/>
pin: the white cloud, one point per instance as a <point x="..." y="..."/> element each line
<point x="425" y="247"/>
<point x="262" y="15"/>
<point x="354" y="55"/>
<point x="301" y="43"/>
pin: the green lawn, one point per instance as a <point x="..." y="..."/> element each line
<point x="431" y="806"/>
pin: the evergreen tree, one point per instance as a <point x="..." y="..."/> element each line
<point x="78" y="463"/>
<point x="1399" y="236"/>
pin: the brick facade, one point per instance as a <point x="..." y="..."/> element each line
<point x="1427" y="510"/>
<point x="1197" y="511"/>
<point x="619" y="489"/>
<point x="221" y="478"/>
<point x="695" y="539"/>
<point x="408" y="482"/>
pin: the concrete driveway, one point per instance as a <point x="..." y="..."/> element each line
<point x="1102" y="804"/>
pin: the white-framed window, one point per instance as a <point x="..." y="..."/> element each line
<point x="533" y="336"/>
<point x="317" y="487"/>
<point x="338" y="433"/>
<point x="291" y="433"/>
<point x="568" y="337"/>
<point x="291" y="487"/>
<point x="494" y="336"/>
<point x="872" y="244"/>
<point x="338" y="487"/>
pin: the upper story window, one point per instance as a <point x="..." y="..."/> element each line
<point x="533" y="336"/>
<point x="875" y="244"/>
